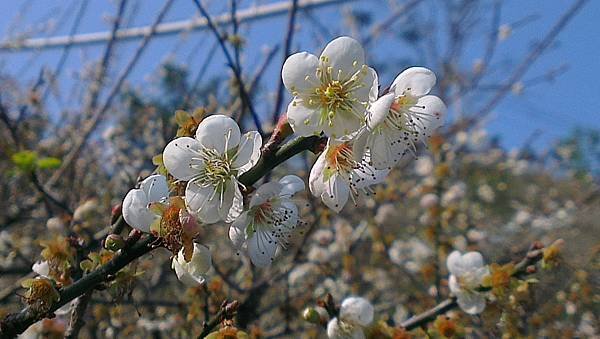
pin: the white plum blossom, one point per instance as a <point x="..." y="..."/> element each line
<point x="338" y="173"/>
<point x="136" y="204"/>
<point x="331" y="92"/>
<point x="466" y="276"/>
<point x="355" y="314"/>
<point x="403" y="118"/>
<point x="211" y="163"/>
<point x="270" y="221"/>
<point x="192" y="273"/>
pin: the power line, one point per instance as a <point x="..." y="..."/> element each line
<point x="246" y="15"/>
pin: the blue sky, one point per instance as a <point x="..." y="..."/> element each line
<point x="553" y="108"/>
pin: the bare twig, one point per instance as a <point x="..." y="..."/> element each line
<point x="92" y="123"/>
<point x="77" y="314"/>
<point x="286" y="52"/>
<point x="228" y="311"/>
<point x="230" y="61"/>
<point x="534" y="255"/>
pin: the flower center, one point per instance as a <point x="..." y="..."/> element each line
<point x="332" y="95"/>
<point x="341" y="158"/>
<point x="217" y="169"/>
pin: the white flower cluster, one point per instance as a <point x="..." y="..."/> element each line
<point x="336" y="95"/>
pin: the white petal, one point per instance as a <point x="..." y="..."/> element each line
<point x="343" y="54"/>
<point x="337" y="329"/>
<point x="418" y="80"/>
<point x="135" y="210"/>
<point x="41" y="268"/>
<point x="261" y="248"/>
<point x="155" y="187"/>
<point x="249" y="152"/>
<point x="379" y="110"/>
<point x="297" y="68"/>
<point x="357" y="310"/>
<point x="303" y="120"/>
<point x="432" y="115"/>
<point x="201" y="260"/>
<point x="291" y="185"/>
<point x="471" y="303"/>
<point x="345" y="123"/>
<point x="292" y="211"/>
<point x="370" y="89"/>
<point x="197" y="202"/>
<point x="180" y="156"/>
<point x="216" y="131"/>
<point x="453" y="262"/>
<point x="237" y="231"/>
<point x="184" y="276"/>
<point x="237" y="202"/>
<point x="336" y="193"/>
<point x="386" y="148"/>
<point x="359" y="144"/>
<point x="316" y="182"/>
<point x="265" y="192"/>
<point x="471" y="261"/>
<point x="368" y="176"/>
<point x="453" y="284"/>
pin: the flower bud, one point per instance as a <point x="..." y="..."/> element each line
<point x="311" y="315"/>
<point x="114" y="242"/>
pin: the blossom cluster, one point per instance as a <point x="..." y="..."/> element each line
<point x="335" y="95"/>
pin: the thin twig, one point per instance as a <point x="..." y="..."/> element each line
<point x="286" y="52"/>
<point x="236" y="71"/>
<point x="228" y="311"/>
<point x="99" y="113"/>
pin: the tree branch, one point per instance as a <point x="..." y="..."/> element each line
<point x="534" y="255"/>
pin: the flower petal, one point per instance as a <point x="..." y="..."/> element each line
<point x="296" y="69"/>
<point x="304" y="120"/>
<point x="291" y="185"/>
<point x="265" y="192"/>
<point x="337" y="329"/>
<point x="357" y="310"/>
<point x="261" y="248"/>
<point x="416" y="80"/>
<point x="248" y="152"/>
<point x="432" y="114"/>
<point x="181" y="158"/>
<point x="42" y="268"/>
<point x="316" y="182"/>
<point x="336" y="193"/>
<point x="370" y="89"/>
<point x="237" y="202"/>
<point x="216" y="131"/>
<point x="201" y="201"/>
<point x="345" y="55"/>
<point x="155" y="187"/>
<point x="471" y="261"/>
<point x="453" y="262"/>
<point x="471" y="303"/>
<point x="345" y="122"/>
<point x="237" y="230"/>
<point x="379" y="110"/>
<point x="135" y="210"/>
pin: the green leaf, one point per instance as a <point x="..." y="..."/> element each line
<point x="49" y="163"/>
<point x="25" y="160"/>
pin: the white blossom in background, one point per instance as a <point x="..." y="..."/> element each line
<point x="355" y="314"/>
<point x="136" y="204"/>
<point x="400" y="120"/>
<point x="211" y="163"/>
<point x="270" y="221"/>
<point x="466" y="275"/>
<point x="412" y="253"/>
<point x="331" y="92"/>
<point x="338" y="174"/>
<point x="192" y="273"/>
